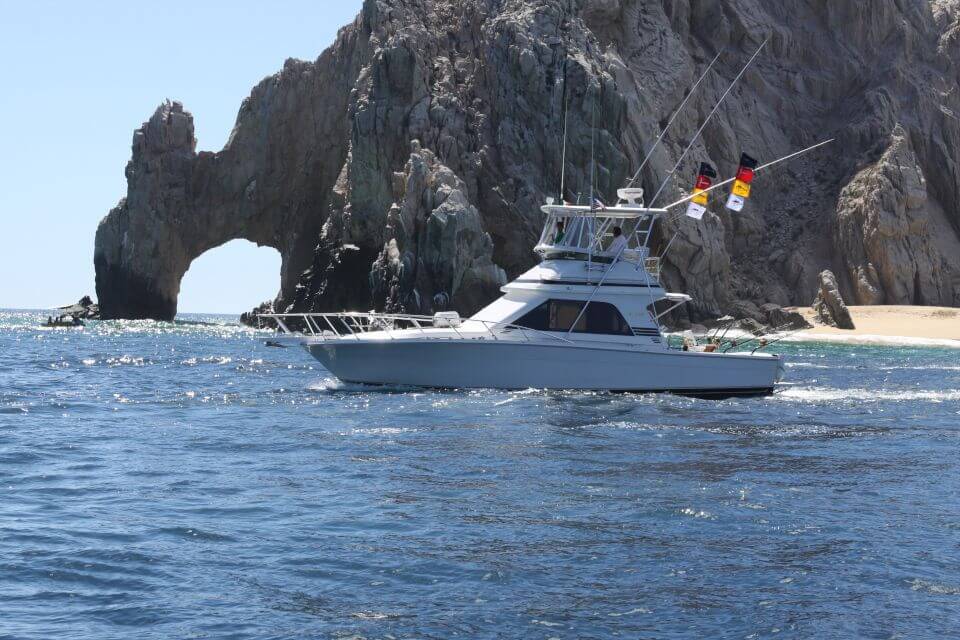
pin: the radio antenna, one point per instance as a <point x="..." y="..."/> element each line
<point x="563" y="155"/>
<point x="593" y="137"/>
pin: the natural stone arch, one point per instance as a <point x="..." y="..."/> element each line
<point x="269" y="185"/>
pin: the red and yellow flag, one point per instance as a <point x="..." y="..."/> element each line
<point x="741" y="184"/>
<point x="698" y="203"/>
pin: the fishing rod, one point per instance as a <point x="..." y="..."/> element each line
<point x="729" y="326"/>
<point x="767" y="331"/>
<point x="703" y="126"/>
<point x="784" y="337"/>
<point x="674" y="117"/>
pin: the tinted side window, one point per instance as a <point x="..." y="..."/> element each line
<point x="604" y="318"/>
<point x="564" y="312"/>
<point x="559" y="315"/>
<point x="538" y="319"/>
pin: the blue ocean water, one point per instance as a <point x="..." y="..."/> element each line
<point x="183" y="480"/>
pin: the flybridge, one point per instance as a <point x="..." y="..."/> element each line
<point x="589" y="233"/>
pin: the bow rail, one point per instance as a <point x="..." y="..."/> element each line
<point x="354" y="325"/>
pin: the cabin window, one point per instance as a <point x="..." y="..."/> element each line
<point x="559" y="315"/>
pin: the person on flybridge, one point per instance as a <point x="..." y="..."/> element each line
<point x="618" y="244"/>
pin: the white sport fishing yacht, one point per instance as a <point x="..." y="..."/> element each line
<point x="586" y="317"/>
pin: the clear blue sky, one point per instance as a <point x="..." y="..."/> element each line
<point x="79" y="77"/>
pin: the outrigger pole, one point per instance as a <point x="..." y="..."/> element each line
<point x="757" y="170"/>
<point x="672" y="118"/>
<point x="703" y="126"/>
<point x="728" y="181"/>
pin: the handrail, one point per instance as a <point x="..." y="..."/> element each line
<point x="415" y="320"/>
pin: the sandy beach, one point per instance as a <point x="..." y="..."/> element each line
<point x="886" y="322"/>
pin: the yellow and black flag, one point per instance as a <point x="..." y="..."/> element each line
<point x="698" y="204"/>
<point x="741" y="184"/>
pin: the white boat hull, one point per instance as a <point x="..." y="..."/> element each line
<point x="523" y="365"/>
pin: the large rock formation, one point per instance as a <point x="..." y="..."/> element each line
<point x="404" y="169"/>
<point x="896" y="241"/>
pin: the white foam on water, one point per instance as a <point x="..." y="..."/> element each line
<point x="694" y="513"/>
<point x="814" y="394"/>
<point x="931" y="367"/>
<point x="934" y="587"/>
<point x="629" y="613"/>
<point x="547" y="623"/>
<point x="127" y="359"/>
<point x="332" y="385"/>
<point x="381" y="431"/>
<point x="865" y="339"/>
<point x="813" y="365"/>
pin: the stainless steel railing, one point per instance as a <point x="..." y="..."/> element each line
<point x="353" y="325"/>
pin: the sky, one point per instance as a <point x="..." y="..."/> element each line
<point x="80" y="77"/>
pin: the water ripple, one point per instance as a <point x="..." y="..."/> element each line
<point x="183" y="480"/>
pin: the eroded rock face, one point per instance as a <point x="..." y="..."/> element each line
<point x="829" y="305"/>
<point x="320" y="163"/>
<point x="894" y="237"/>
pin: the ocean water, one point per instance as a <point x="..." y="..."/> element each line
<point x="183" y="480"/>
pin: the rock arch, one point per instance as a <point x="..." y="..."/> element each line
<point x="268" y="185"/>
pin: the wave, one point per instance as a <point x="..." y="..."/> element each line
<point x="832" y="338"/>
<point x="936" y="588"/>
<point x="213" y="326"/>
<point x="814" y="365"/>
<point x="211" y="360"/>
<point x="335" y="385"/>
<point x="778" y="429"/>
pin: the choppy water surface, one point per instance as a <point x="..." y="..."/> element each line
<point x="184" y="480"/>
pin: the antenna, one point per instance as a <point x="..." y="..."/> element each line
<point x="696" y="136"/>
<point x="674" y="117"/>
<point x="593" y="136"/>
<point x="563" y="156"/>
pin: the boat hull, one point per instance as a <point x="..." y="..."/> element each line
<point x="512" y="365"/>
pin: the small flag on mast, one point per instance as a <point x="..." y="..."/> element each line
<point x="741" y="184"/>
<point x="698" y="203"/>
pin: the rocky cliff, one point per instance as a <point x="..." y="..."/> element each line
<point x="405" y="167"/>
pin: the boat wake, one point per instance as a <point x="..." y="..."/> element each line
<point x="831" y="394"/>
<point x="334" y="385"/>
